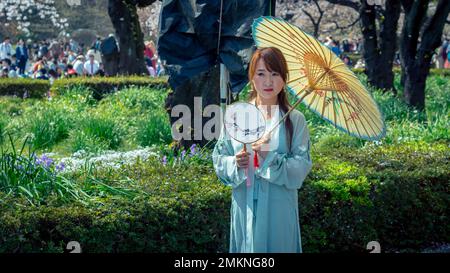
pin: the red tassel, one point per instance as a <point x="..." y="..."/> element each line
<point x="255" y="161"/>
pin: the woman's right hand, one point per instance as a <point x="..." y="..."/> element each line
<point x="242" y="159"/>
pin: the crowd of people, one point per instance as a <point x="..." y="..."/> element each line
<point x="344" y="48"/>
<point x="442" y="56"/>
<point x="53" y="59"/>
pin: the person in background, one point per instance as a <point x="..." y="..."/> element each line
<point x="110" y="55"/>
<point x="41" y="74"/>
<point x="78" y="65"/>
<point x="101" y="71"/>
<point x="70" y="72"/>
<point x="441" y="55"/>
<point x="346" y="59"/>
<point x="43" y="49"/>
<point x="96" y="44"/>
<point x="4" y="72"/>
<point x="52" y="76"/>
<point x="6" y="49"/>
<point x="6" y="63"/>
<point x="360" y="64"/>
<point x="22" y="56"/>
<point x="55" y="49"/>
<point x="447" y="56"/>
<point x="91" y="66"/>
<point x="335" y="48"/>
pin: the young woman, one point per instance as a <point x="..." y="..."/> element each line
<point x="264" y="215"/>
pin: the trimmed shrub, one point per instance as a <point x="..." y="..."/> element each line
<point x="433" y="71"/>
<point x="24" y="88"/>
<point x="101" y="86"/>
<point x="398" y="196"/>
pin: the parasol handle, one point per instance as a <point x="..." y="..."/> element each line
<point x="246" y="169"/>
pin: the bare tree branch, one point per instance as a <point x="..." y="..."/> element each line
<point x="348" y="3"/>
<point x="318" y="7"/>
<point x="348" y="26"/>
<point x="316" y="23"/>
<point x="309" y="16"/>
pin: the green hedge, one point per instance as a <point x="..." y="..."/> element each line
<point x="24" y="88"/>
<point x="99" y="85"/>
<point x="105" y="85"/>
<point x="433" y="71"/>
<point x="398" y="196"/>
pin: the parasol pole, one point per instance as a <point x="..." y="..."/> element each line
<point x="308" y="90"/>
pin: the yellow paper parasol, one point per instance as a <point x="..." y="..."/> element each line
<point x="320" y="80"/>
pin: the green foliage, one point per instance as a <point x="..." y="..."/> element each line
<point x="32" y="178"/>
<point x="24" y="87"/>
<point x="154" y="130"/>
<point x="97" y="133"/>
<point x="387" y="194"/>
<point x="101" y="86"/>
<point x="396" y="195"/>
<point x="395" y="191"/>
<point x="49" y="126"/>
<point x="74" y="121"/>
<point x="433" y="71"/>
<point x="3" y="124"/>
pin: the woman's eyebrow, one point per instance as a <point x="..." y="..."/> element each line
<point x="261" y="69"/>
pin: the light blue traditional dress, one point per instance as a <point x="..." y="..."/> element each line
<point x="264" y="215"/>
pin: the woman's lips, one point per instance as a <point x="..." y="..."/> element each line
<point x="268" y="89"/>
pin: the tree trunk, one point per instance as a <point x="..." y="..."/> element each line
<point x="388" y="45"/>
<point x="415" y="57"/>
<point x="414" y="89"/>
<point x="379" y="56"/>
<point x="123" y="14"/>
<point x="202" y="86"/>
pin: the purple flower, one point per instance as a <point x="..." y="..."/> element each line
<point x="183" y="154"/>
<point x="44" y="161"/>
<point x="164" y="160"/>
<point x="193" y="152"/>
<point x="48" y="163"/>
<point x="60" y="167"/>
<point x="38" y="161"/>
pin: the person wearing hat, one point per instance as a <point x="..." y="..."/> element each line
<point x="78" y="64"/>
<point x="91" y="66"/>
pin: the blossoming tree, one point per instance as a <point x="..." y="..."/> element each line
<point x="21" y="12"/>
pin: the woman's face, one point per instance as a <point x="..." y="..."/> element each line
<point x="267" y="84"/>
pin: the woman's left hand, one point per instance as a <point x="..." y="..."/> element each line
<point x="262" y="146"/>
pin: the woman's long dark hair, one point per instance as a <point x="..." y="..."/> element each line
<point x="274" y="61"/>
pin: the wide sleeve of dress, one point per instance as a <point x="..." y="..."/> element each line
<point x="290" y="169"/>
<point x="224" y="162"/>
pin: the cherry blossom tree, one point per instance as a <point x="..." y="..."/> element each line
<point x="21" y="13"/>
<point x="149" y="20"/>
<point x="319" y="17"/>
